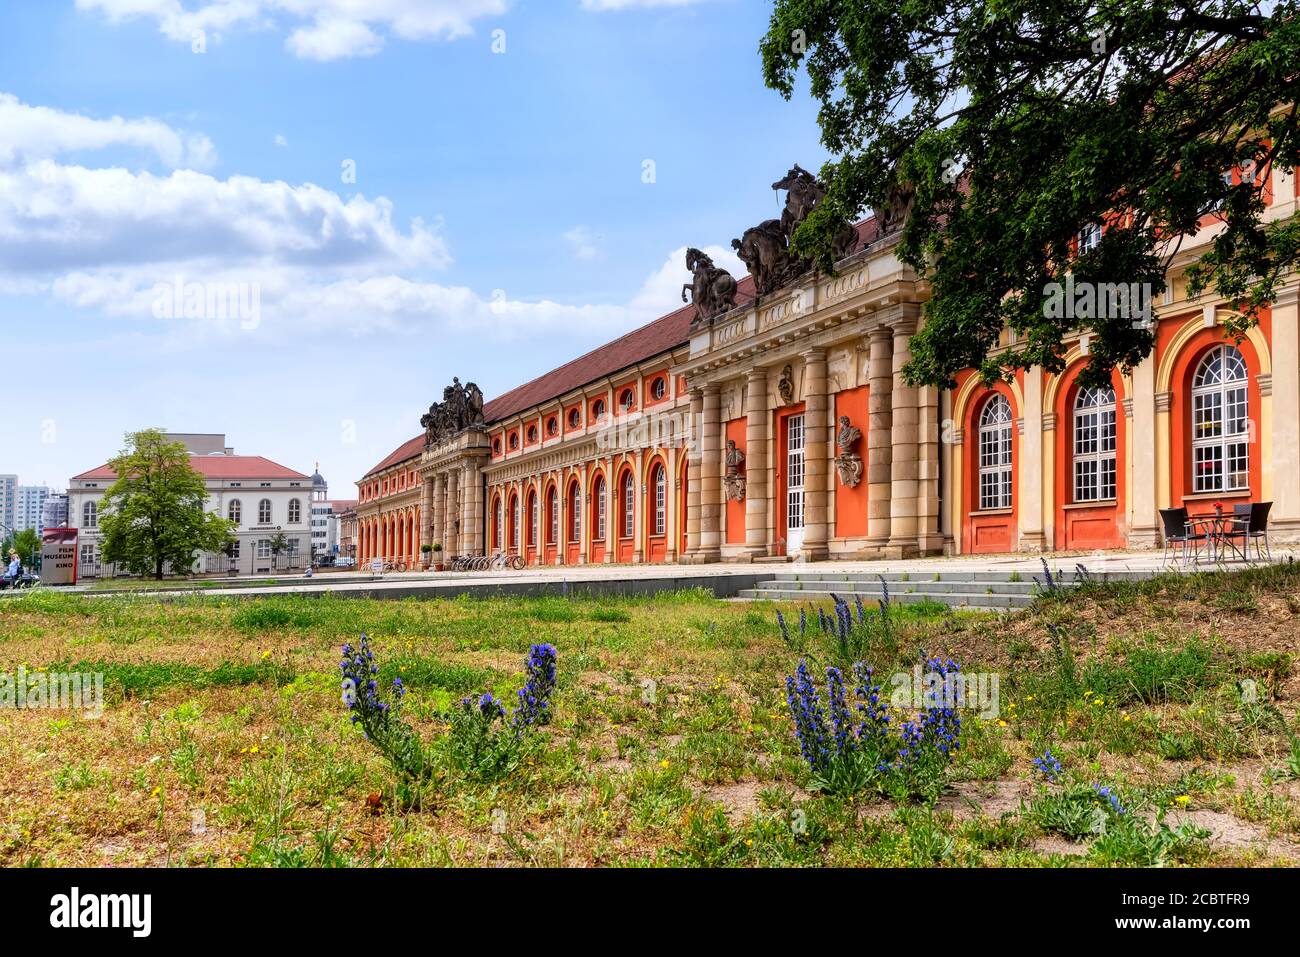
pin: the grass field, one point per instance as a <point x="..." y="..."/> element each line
<point x="224" y="740"/>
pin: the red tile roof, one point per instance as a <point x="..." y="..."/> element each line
<point x="219" y="467"/>
<point x="342" y="504"/>
<point x="655" y="338"/>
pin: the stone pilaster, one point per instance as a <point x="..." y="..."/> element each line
<point x="1029" y="470"/>
<point x="710" y="528"/>
<point x="1140" y="430"/>
<point x="426" y="517"/>
<point x="1285" y="413"/>
<point x="904" y="435"/>
<point x="880" y="381"/>
<point x="817" y="457"/>
<point x="694" y="479"/>
<point x="757" y="495"/>
<point x="641" y="500"/>
<point x="451" y="516"/>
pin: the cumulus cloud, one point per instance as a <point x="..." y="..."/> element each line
<point x="39" y="132"/>
<point x="604" y="5"/>
<point x="318" y="29"/>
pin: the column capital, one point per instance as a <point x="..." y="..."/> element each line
<point x="757" y="374"/>
<point x="813" y="355"/>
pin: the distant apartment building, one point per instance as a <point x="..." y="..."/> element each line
<point x="29" y="511"/>
<point x="263" y="498"/>
<point x="8" y="503"/>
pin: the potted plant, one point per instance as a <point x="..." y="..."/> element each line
<point x="426" y="549"/>
<point x="436" y="548"/>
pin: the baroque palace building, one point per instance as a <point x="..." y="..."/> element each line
<point x="770" y="418"/>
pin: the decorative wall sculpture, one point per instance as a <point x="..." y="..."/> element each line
<point x="733" y="481"/>
<point x="848" y="463"/>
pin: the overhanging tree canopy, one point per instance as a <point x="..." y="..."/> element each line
<point x="1057" y="114"/>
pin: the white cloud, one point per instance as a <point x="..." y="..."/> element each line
<point x="319" y="29"/>
<point x="604" y="5"/>
<point x="584" y="243"/>
<point x="39" y="132"/>
<point x="281" y="140"/>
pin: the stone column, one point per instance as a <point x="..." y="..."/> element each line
<point x="451" y="516"/>
<point x="584" y="516"/>
<point x="611" y="490"/>
<point x="1029" y="470"/>
<point x="905" y="455"/>
<point x="757" y="425"/>
<point x="437" y="530"/>
<point x="562" y="516"/>
<point x="816" y="457"/>
<point x="880" y="449"/>
<point x="472" y="510"/>
<point x="1285" y="465"/>
<point x="673" y="534"/>
<point x="693" y="477"/>
<point x="426" y="517"/>
<point x="710" y="476"/>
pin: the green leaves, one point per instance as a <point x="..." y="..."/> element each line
<point x="1059" y="114"/>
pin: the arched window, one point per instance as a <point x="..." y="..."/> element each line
<point x="627" y="400"/>
<point x="658" y="388"/>
<point x="575" y="418"/>
<point x="629" y="505"/>
<point x="659" y="489"/>
<point x="1220" y="414"/>
<point x="514" y="522"/>
<point x="514" y="440"/>
<point x="501" y="519"/>
<point x="598" y="409"/>
<point x="532" y="519"/>
<point x="235" y="512"/>
<point x="575" y="512"/>
<point x="598" y="497"/>
<point x="995" y="454"/>
<point x="532" y="433"/>
<point x="1094" y="445"/>
<point x="552" y="517"/>
<point x="90" y="514"/>
<point x="295" y="511"/>
<point x="552" y="426"/>
<point x="264" y="512"/>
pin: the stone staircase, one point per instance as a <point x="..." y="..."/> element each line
<point x="981" y="590"/>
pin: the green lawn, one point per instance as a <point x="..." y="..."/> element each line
<point x="224" y="739"/>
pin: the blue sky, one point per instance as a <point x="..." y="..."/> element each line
<point x="499" y="223"/>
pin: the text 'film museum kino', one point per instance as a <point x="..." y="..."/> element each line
<point x="769" y="418"/>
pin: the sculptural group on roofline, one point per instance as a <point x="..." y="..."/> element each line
<point x="765" y="248"/>
<point x="461" y="408"/>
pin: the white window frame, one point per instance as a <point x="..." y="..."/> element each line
<point x="1094" y="439"/>
<point x="295" y="511"/>
<point x="1089" y="238"/>
<point x="90" y="514"/>
<point x="553" y="519"/>
<point x="235" y="511"/>
<point x="660" y="487"/>
<point x="600" y="508"/>
<point x="629" y="505"/>
<point x="996" y="468"/>
<point x="1220" y="411"/>
<point x="264" y="512"/>
<point x="575" y="512"/>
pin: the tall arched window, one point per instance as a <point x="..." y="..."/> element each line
<point x="552" y="517"/>
<point x="532" y="519"/>
<point x="514" y="522"/>
<point x="658" y="488"/>
<point x="598" y="498"/>
<point x="575" y="512"/>
<point x="1094" y="445"/>
<point x="295" y="511"/>
<point x="629" y="505"/>
<point x="264" y="512"/>
<point x="90" y="515"/>
<point x="235" y="512"/>
<point x="1220" y="412"/>
<point x="501" y="520"/>
<point x="995" y="454"/>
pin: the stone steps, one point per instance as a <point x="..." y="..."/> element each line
<point x="987" y="590"/>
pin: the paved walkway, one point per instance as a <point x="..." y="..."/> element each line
<point x="722" y="578"/>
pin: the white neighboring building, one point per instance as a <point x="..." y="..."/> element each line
<point x="31" y="505"/>
<point x="54" y="514"/>
<point x="261" y="496"/>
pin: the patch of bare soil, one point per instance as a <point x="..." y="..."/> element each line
<point x="1056" y="844"/>
<point x="992" y="799"/>
<point x="740" y="801"/>
<point x="1230" y="832"/>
